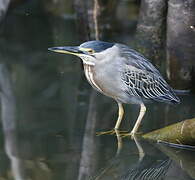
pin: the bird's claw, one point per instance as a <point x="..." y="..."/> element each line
<point x="131" y="134"/>
<point x="110" y="132"/>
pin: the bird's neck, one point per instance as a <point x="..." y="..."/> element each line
<point x="89" y="73"/>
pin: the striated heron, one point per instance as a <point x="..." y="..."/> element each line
<point x="123" y="74"/>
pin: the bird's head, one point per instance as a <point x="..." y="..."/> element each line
<point x="88" y="51"/>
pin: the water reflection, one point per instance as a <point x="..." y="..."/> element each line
<point x="87" y="161"/>
<point x="154" y="164"/>
<point x="185" y="159"/>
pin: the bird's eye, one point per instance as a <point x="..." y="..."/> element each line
<point x="91" y="51"/>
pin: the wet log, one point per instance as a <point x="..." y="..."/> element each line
<point x="181" y="43"/>
<point x="180" y="133"/>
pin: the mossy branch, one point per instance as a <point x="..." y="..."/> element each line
<point x="180" y="133"/>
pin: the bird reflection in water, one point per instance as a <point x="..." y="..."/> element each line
<point x="146" y="167"/>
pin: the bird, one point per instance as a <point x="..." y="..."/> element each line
<point x="120" y="72"/>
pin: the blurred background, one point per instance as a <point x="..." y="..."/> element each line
<point x="50" y="114"/>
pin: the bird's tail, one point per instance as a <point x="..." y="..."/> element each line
<point x="174" y="99"/>
<point x="178" y="92"/>
<point x="181" y="92"/>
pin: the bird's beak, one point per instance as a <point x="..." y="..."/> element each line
<point x="74" y="50"/>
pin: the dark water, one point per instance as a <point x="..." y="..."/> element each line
<point x="50" y="115"/>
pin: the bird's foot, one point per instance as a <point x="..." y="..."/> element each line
<point x="131" y="134"/>
<point x="110" y="132"/>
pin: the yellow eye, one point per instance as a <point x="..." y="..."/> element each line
<point x="91" y="51"/>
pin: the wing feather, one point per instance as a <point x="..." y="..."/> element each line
<point x="142" y="79"/>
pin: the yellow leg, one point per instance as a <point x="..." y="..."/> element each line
<point x="120" y="115"/>
<point x="118" y="122"/>
<point x="138" y="122"/>
<point x="139" y="119"/>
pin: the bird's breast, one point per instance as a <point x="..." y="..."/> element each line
<point x="106" y="80"/>
<point x="89" y="73"/>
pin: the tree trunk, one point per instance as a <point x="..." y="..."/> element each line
<point x="81" y="9"/>
<point x="151" y="28"/>
<point x="95" y="18"/>
<point x="181" y="43"/>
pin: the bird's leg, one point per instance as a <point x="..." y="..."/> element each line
<point x="139" y="119"/>
<point x="120" y="115"/>
<point x="118" y="122"/>
<point x="137" y="124"/>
